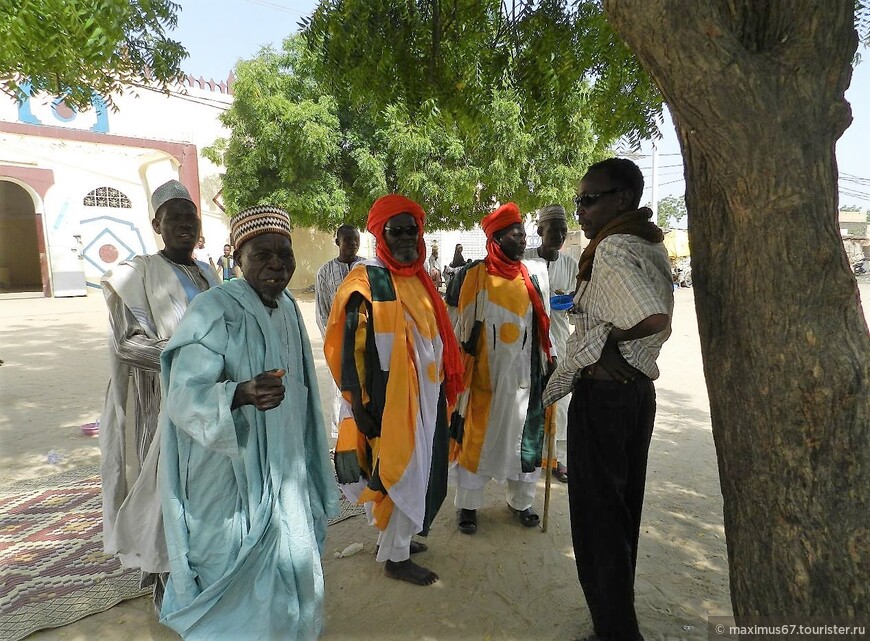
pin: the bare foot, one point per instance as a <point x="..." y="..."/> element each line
<point x="410" y="572"/>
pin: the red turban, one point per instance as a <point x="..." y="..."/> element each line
<point x="497" y="263"/>
<point x="385" y="208"/>
<point x="382" y="210"/>
<point x="505" y="216"/>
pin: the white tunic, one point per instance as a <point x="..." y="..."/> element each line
<point x="555" y="277"/>
<point x="146" y="297"/>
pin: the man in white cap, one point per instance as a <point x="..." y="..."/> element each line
<point x="245" y="476"/>
<point x="557" y="276"/>
<point x="146" y="297"/>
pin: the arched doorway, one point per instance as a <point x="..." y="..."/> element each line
<point x="20" y="269"/>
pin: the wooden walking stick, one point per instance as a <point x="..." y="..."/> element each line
<point x="550" y="431"/>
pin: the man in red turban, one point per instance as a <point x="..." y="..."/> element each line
<point x="392" y="352"/>
<point x="497" y="431"/>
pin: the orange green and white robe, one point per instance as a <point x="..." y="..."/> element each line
<point x="382" y="340"/>
<point x="497" y="430"/>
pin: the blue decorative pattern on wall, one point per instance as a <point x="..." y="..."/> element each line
<point x="101" y="230"/>
<point x="25" y="114"/>
<point x="25" y="110"/>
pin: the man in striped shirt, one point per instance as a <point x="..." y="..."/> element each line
<point x="329" y="277"/>
<point x="623" y="305"/>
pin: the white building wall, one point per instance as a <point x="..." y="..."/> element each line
<point x="188" y="115"/>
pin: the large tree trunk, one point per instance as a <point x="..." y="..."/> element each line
<point x="756" y="90"/>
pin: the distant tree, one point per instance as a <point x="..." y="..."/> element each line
<point x="671" y="208"/>
<point x="77" y="47"/>
<point x="327" y="158"/>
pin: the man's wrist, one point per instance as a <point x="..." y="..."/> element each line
<point x="240" y="396"/>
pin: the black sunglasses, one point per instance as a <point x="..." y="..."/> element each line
<point x="410" y="230"/>
<point x="587" y="200"/>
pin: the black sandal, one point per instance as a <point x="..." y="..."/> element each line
<point x="560" y="473"/>
<point x="527" y="517"/>
<point x="466" y="521"/>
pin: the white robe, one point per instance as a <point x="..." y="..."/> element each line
<point x="559" y="275"/>
<point x="146" y="300"/>
<point x="500" y="413"/>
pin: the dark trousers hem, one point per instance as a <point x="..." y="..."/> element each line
<point x="609" y="430"/>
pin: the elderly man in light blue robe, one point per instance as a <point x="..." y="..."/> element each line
<point x="245" y="475"/>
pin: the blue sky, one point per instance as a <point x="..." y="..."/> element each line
<point x="217" y="33"/>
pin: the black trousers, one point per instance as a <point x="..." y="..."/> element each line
<point x="609" y="431"/>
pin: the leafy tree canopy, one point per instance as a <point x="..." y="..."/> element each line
<point x="457" y="52"/>
<point x="78" y="47"/>
<point x="327" y="155"/>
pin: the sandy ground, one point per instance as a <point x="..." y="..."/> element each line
<point x="506" y="582"/>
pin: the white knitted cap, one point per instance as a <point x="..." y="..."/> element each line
<point x="169" y="190"/>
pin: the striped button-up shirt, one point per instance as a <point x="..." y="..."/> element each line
<point x="631" y="280"/>
<point x="329" y="277"/>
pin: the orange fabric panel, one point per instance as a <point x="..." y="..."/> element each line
<point x="382" y="507"/>
<point x="477" y="412"/>
<point x="392" y="451"/>
<point x="510" y="294"/>
<point x="417" y="304"/>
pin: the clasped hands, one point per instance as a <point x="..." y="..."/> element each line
<point x="365" y="422"/>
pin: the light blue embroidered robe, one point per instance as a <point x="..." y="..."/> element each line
<point x="246" y="494"/>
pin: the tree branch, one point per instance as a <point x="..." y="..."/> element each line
<point x="700" y="55"/>
<point x="436" y="40"/>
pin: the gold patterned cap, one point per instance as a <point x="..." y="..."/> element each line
<point x="254" y="221"/>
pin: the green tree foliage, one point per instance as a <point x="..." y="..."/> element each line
<point x="862" y="23"/>
<point x="77" y="47"/>
<point x="458" y="51"/>
<point x="326" y="156"/>
<point x="671" y="208"/>
<point x="286" y="139"/>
